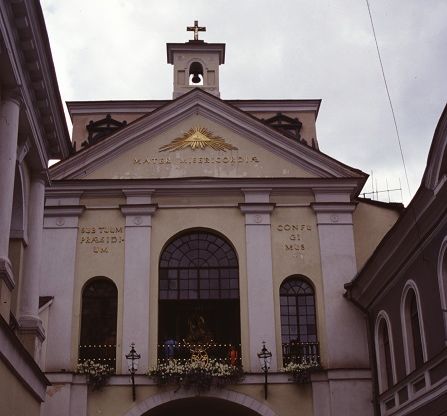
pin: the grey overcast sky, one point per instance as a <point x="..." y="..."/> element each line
<point x="116" y="49"/>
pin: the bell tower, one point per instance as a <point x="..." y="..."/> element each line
<point x="196" y="63"/>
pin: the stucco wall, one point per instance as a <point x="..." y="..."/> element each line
<point x="15" y="400"/>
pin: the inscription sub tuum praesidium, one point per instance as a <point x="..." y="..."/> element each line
<point x="294" y="236"/>
<point x="101" y="238"/>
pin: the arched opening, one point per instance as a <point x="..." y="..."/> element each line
<point x="412" y="329"/>
<point x="199" y="297"/>
<point x="196" y="74"/>
<point x="385" y="369"/>
<point x="98" y="321"/>
<point x="201" y="406"/>
<point x="298" y="320"/>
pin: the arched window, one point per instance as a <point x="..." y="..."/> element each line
<point x="98" y="321"/>
<point x="199" y="294"/>
<point x="298" y="319"/>
<point x="413" y="334"/>
<point x="384" y="353"/>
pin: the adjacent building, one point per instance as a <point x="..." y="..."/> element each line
<point x="403" y="290"/>
<point x="32" y="130"/>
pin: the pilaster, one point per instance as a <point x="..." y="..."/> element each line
<point x="138" y="212"/>
<point x="346" y="349"/>
<point x="61" y="219"/>
<point x="261" y="316"/>
<point x="345" y="327"/>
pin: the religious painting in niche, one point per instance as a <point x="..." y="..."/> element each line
<point x="98" y="321"/>
<point x="298" y="319"/>
<point x="199" y="311"/>
<point x="198" y="138"/>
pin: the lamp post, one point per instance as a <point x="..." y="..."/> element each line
<point x="265" y="359"/>
<point x="132" y="364"/>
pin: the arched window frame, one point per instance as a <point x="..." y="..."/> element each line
<point x="88" y="283"/>
<point x="407" y="334"/>
<point x="308" y="350"/>
<point x="442" y="280"/>
<point x="382" y="316"/>
<point x="224" y="294"/>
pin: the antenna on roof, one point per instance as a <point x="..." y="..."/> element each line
<point x="376" y="193"/>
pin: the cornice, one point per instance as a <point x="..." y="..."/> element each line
<point x="115" y="187"/>
<point x="195" y="46"/>
<point x="277" y="105"/>
<point x="126" y="106"/>
<point x="147" y="106"/>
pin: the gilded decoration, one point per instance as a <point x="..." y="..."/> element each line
<point x="198" y="138"/>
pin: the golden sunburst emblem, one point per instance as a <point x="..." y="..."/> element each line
<point x="197" y="138"/>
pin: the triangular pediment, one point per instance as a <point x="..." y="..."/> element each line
<point x="199" y="135"/>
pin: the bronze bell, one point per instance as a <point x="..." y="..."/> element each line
<point x="196" y="79"/>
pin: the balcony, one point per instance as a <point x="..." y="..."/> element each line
<point x="185" y="351"/>
<point x="300" y="352"/>
<point x="104" y="354"/>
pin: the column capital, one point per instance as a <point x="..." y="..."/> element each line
<point x="13" y="95"/>
<point x="256" y="207"/>
<point x="138" y="196"/>
<point x="257" y="213"/>
<point x="31" y="325"/>
<point x="40" y="177"/>
<point x="334" y="212"/>
<point x="6" y="273"/>
<point x="64" y="210"/>
<point x="138" y="215"/>
<point x="138" y="209"/>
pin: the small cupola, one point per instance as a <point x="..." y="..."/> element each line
<point x="196" y="63"/>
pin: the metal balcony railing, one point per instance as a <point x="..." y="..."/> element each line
<point x="300" y="352"/>
<point x="104" y="354"/>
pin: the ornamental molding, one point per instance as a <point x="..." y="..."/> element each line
<point x="196" y="186"/>
<point x="63" y="211"/>
<point x="256" y="208"/>
<point x="138" y="210"/>
<point x="222" y="394"/>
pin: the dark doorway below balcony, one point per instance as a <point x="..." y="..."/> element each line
<point x="201" y="406"/>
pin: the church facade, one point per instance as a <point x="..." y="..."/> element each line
<point x="202" y="221"/>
